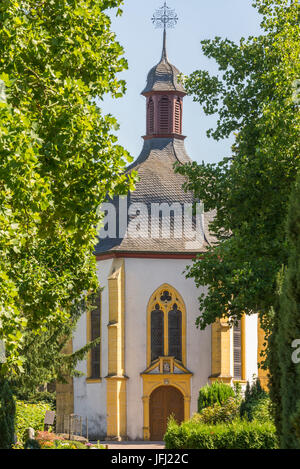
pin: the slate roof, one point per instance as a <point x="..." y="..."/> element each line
<point x="163" y="76"/>
<point x="158" y="183"/>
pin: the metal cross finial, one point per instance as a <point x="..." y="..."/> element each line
<point x="165" y="17"/>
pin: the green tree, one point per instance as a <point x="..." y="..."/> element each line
<point x="253" y="398"/>
<point x="7" y="415"/>
<point x="44" y="359"/>
<point x="287" y="331"/>
<point x="59" y="159"/>
<point x="254" y="97"/>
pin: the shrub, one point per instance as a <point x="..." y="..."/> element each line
<point x="29" y="415"/>
<point x="62" y="444"/>
<point x="219" y="413"/>
<point x="255" y="398"/>
<point x="236" y="435"/>
<point x="217" y="393"/>
<point x="7" y="415"/>
<point x="46" y="436"/>
<point x="263" y="410"/>
<point x="32" y="444"/>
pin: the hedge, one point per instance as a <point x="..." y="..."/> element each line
<point x="29" y="415"/>
<point x="240" y="434"/>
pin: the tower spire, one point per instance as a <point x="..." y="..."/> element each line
<point x="164" y="51"/>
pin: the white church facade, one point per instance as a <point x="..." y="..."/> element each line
<point x="152" y="360"/>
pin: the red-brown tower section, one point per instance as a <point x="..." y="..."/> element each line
<point x="164" y="95"/>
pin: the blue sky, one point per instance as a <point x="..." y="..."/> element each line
<point x="198" y="19"/>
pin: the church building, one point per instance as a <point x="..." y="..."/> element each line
<point x="152" y="360"/>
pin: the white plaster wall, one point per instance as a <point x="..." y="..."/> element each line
<point x="90" y="398"/>
<point x="143" y="277"/>
<point x="251" y="347"/>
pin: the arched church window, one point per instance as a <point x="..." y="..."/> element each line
<point x="166" y="325"/>
<point x="157" y="333"/>
<point x="164" y="115"/>
<point x="151" y="116"/>
<point x="178" y="116"/>
<point x="175" y="332"/>
<point x="94" y="332"/>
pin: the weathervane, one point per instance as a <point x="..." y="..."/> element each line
<point x="165" y="17"/>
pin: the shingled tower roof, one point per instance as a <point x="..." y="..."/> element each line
<point x="164" y="75"/>
<point x="158" y="183"/>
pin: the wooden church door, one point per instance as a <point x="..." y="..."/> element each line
<point x="164" y="401"/>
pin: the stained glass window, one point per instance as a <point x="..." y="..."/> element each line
<point x="175" y="332"/>
<point x="157" y="333"/>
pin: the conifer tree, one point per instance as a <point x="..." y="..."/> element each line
<point x="288" y="331"/>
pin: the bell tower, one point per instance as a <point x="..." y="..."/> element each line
<point x="164" y="92"/>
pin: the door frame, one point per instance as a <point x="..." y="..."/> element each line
<point x="152" y="381"/>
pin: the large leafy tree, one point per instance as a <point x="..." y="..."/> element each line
<point x="59" y="159"/>
<point x="255" y="97"/>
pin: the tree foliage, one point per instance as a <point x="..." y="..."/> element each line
<point x="255" y="96"/>
<point x="7" y="415"/>
<point x="45" y="359"/>
<point x="285" y="361"/>
<point x="253" y="398"/>
<point x="59" y="158"/>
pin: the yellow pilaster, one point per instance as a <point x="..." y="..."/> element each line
<point x="261" y="340"/>
<point x="220" y="352"/>
<point x="187" y="407"/>
<point x="146" y="428"/>
<point x="116" y="379"/>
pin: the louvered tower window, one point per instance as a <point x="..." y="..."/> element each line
<point x="151" y="116"/>
<point x="178" y="116"/>
<point x="157" y="333"/>
<point x="164" y="115"/>
<point x="175" y="332"/>
<point x="237" y="350"/>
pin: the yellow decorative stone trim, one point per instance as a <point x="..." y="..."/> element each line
<point x="220" y="351"/>
<point x="116" y="399"/>
<point x="165" y="308"/>
<point x="261" y="345"/>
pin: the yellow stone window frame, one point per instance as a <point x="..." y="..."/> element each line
<point x="89" y="379"/>
<point x="165" y="307"/>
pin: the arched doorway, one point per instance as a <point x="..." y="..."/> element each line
<point x="164" y="401"/>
